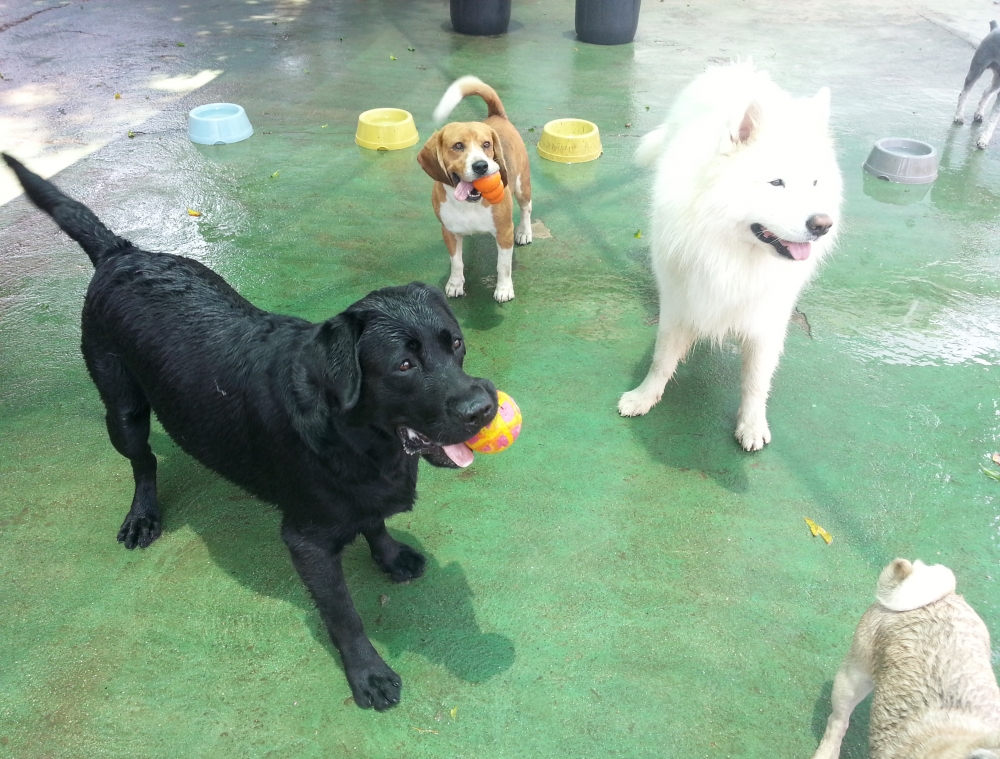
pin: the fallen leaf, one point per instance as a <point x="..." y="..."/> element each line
<point x="412" y="49"/>
<point x="421" y="730"/>
<point x="118" y="96"/>
<point x="383" y="599"/>
<point x="647" y="107"/>
<point x="638" y="233"/>
<point x="392" y="58"/>
<point x="990" y="473"/>
<point x="628" y="124"/>
<point x="131" y="134"/>
<point x="192" y="212"/>
<point x="531" y="129"/>
<point x="181" y="44"/>
<point x="815" y="529"/>
<point x="996" y="458"/>
<point x="275" y="174"/>
<point x="454" y="713"/>
<point x="324" y="126"/>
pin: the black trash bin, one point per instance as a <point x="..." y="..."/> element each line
<point x="605" y="22"/>
<point x="481" y="17"/>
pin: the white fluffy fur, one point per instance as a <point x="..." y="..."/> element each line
<point x="731" y="133"/>
<point x="923" y="585"/>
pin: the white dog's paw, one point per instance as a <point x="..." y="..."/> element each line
<point x="455" y="288"/>
<point x="636" y="402"/>
<point x="522" y="236"/>
<point x="503" y="292"/>
<point x="753" y="435"/>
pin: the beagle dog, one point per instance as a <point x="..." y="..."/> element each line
<point x="460" y="153"/>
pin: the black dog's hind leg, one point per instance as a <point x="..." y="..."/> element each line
<point x="398" y="560"/>
<point x="316" y="556"/>
<point x="128" y="427"/>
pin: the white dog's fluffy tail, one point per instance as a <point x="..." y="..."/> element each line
<point x="463" y="87"/>
<point x="651" y="146"/>
<point x="903" y="586"/>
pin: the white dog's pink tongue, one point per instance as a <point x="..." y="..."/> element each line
<point x="799" y="250"/>
<point x="462" y="190"/>
<point x="461" y="454"/>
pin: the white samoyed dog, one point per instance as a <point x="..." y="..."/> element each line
<point x="746" y="204"/>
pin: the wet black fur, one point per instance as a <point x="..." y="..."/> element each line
<point x="303" y="415"/>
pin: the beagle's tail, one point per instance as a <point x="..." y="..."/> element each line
<point x="903" y="586"/>
<point x="74" y="218"/>
<point x="462" y="88"/>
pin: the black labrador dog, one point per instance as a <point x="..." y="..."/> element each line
<point x="325" y="421"/>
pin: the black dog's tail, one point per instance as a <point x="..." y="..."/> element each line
<point x="74" y="218"/>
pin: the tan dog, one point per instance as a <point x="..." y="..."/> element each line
<point x="460" y="153"/>
<point x="926" y="654"/>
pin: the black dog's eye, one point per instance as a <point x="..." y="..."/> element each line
<point x="458" y="146"/>
<point x="778" y="182"/>
<point x="457" y="344"/>
<point x="406" y="366"/>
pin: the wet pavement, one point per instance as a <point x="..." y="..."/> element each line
<point x="608" y="587"/>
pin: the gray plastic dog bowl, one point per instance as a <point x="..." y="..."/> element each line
<point x="902" y="160"/>
<point x="218" y="124"/>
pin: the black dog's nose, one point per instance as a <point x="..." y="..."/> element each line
<point x="478" y="410"/>
<point x="819" y="224"/>
<point x="480" y="167"/>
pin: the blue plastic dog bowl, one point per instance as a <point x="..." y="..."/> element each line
<point x="218" y="124"/>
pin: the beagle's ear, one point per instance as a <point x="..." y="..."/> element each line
<point x="498" y="156"/>
<point x="430" y="160"/>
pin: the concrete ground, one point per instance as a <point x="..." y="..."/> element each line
<point x="608" y="587"/>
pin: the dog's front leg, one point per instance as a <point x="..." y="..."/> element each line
<point x="853" y="682"/>
<point x="316" y="556"/>
<point x="455" y="287"/>
<point x="760" y="359"/>
<point x="398" y="560"/>
<point x="505" y="263"/>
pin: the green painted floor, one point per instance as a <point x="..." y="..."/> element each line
<point x="608" y="587"/>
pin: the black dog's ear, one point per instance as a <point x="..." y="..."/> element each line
<point x="342" y="368"/>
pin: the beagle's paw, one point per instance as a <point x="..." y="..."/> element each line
<point x="504" y="292"/>
<point x="522" y="235"/>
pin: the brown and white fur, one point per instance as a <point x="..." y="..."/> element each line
<point x="926" y="654"/>
<point x="464" y="152"/>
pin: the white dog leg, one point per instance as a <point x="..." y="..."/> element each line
<point x="760" y="359"/>
<point x="852" y="684"/>
<point x="522" y="235"/>
<point x="672" y="344"/>
<point x="455" y="287"/>
<point x="987" y="133"/>
<point x="985" y="100"/>
<point x="505" y="283"/>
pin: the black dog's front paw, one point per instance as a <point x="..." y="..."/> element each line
<point x="406" y="564"/>
<point x="139" y="530"/>
<point x="375" y="686"/>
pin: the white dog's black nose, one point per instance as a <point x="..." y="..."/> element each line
<point x="819" y="224"/>
<point x="480" y="167"/>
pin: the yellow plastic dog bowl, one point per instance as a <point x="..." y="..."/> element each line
<point x="386" y="129"/>
<point x="570" y="141"/>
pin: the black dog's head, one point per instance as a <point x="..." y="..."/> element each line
<point x="394" y="362"/>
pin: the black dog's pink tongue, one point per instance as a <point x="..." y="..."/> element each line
<point x="461" y="454"/>
<point x="800" y="250"/>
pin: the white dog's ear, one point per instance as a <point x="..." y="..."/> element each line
<point x="821" y="105"/>
<point x="745" y="127"/>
